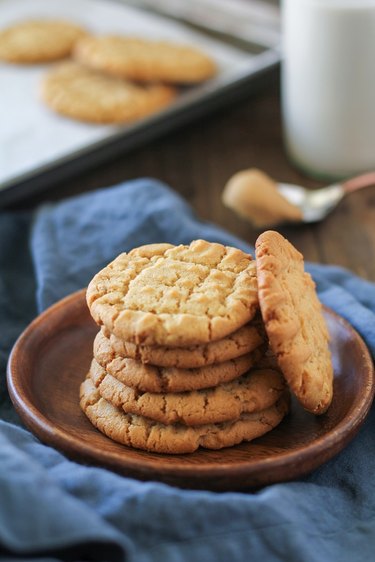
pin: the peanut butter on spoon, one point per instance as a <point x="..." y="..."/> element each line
<point x="253" y="195"/>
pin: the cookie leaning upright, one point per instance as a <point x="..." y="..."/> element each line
<point x="292" y="314"/>
<point x="168" y="295"/>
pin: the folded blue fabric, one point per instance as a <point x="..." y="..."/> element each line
<point x="54" y="509"/>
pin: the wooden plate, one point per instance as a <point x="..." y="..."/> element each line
<point x="52" y="356"/>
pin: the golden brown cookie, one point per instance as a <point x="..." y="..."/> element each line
<point x="251" y="392"/>
<point x="37" y="41"/>
<point x="142" y="433"/>
<point x="244" y="340"/>
<point x="294" y="322"/>
<point x="151" y="378"/>
<point x="144" y="60"/>
<point x="175" y="296"/>
<point x="87" y="95"/>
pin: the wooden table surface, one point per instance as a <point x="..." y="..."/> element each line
<point x="198" y="159"/>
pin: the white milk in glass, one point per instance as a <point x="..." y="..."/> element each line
<point x="328" y="85"/>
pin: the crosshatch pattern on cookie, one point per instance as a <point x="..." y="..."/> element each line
<point x="142" y="433"/>
<point x="175" y="295"/>
<point x="251" y="392"/>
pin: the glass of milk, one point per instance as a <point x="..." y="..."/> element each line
<point x="328" y="85"/>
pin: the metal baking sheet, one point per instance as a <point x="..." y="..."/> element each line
<point x="39" y="148"/>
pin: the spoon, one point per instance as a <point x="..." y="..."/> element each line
<point x="316" y="204"/>
<point x="265" y="202"/>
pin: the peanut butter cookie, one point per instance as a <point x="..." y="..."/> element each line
<point x="87" y="95"/>
<point x="37" y="41"/>
<point x="144" y="60"/>
<point x="244" y="340"/>
<point x="294" y="322"/>
<point x="142" y="433"/>
<point x="175" y="296"/>
<point x="151" y="378"/>
<point x="251" y="392"/>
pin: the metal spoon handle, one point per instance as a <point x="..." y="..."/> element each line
<point x="364" y="180"/>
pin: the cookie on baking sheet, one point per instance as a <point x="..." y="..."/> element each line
<point x="175" y="296"/>
<point x="87" y="95"/>
<point x="151" y="378"/>
<point x="294" y="322"/>
<point x="244" y="340"/>
<point x="145" y="60"/>
<point x="37" y="41"/>
<point x="142" y="433"/>
<point x="251" y="392"/>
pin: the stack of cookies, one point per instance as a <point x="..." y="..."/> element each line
<point x="175" y="360"/>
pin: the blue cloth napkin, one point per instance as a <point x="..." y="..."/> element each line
<point x="54" y="509"/>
